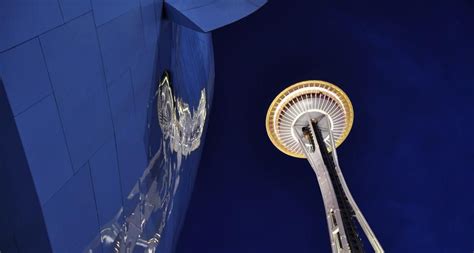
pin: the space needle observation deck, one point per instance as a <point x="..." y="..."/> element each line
<point x="310" y="119"/>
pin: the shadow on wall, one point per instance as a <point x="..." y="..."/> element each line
<point x="21" y="218"/>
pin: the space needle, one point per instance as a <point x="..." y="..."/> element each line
<point x="310" y="119"/>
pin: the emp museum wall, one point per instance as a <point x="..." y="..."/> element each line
<point x="103" y="108"/>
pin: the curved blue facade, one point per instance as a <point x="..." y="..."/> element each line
<point x="98" y="151"/>
<point x="208" y="15"/>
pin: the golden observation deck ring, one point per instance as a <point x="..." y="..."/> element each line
<point x="302" y="101"/>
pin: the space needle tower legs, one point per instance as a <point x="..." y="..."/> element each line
<point x="339" y="205"/>
<point x="309" y="120"/>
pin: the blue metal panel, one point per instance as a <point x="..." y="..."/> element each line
<point x="150" y="23"/>
<point x="20" y="20"/>
<point x="20" y="212"/>
<point x="158" y="12"/>
<point x="73" y="59"/>
<point x="208" y="15"/>
<point x="71" y="215"/>
<point x="74" y="8"/>
<point x="51" y="166"/>
<point x="121" y="40"/>
<point x="143" y="76"/>
<point x="192" y="70"/>
<point x="192" y="66"/>
<point x="189" y="4"/>
<point x="106" y="10"/>
<point x="131" y="150"/>
<point x="106" y="181"/>
<point x="24" y="75"/>
<point x="114" y="43"/>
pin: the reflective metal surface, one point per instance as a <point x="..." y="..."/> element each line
<point x="180" y="123"/>
<point x="151" y="216"/>
<point x="152" y="196"/>
<point x="100" y="154"/>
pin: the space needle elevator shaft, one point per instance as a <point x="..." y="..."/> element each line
<point x="341" y="210"/>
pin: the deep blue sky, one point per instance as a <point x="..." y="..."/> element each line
<point x="408" y="68"/>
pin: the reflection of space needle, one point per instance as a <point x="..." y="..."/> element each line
<point x="310" y="120"/>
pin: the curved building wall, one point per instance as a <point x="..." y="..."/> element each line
<point x="82" y="91"/>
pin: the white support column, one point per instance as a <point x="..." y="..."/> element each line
<point x="337" y="234"/>
<point x="358" y="214"/>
